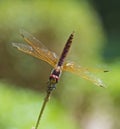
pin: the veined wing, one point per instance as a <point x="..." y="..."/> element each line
<point x="82" y="72"/>
<point x="29" y="50"/>
<point x="36" y="49"/>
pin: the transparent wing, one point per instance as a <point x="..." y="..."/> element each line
<point x="40" y="49"/>
<point x="31" y="51"/>
<point x="32" y="41"/>
<point x="82" y="72"/>
<point x="36" y="49"/>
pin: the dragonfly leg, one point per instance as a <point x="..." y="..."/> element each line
<point x="51" y="87"/>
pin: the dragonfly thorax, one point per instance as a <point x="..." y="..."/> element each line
<point x="55" y="74"/>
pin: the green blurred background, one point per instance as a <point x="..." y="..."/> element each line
<point x="76" y="103"/>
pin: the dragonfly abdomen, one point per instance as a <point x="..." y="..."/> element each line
<point x="65" y="50"/>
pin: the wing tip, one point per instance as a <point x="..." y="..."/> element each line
<point x="100" y="83"/>
<point x="22" y="32"/>
<point x="105" y="71"/>
<point x="14" y="45"/>
<point x="103" y="86"/>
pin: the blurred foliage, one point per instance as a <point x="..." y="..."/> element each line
<point x="78" y="104"/>
<point x="19" y="109"/>
<point x="111" y="22"/>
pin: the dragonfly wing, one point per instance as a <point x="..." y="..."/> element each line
<point x="47" y="55"/>
<point x="31" y="40"/>
<point x="82" y="72"/>
<point x="31" y="51"/>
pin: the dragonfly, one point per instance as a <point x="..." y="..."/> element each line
<point x="37" y="49"/>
